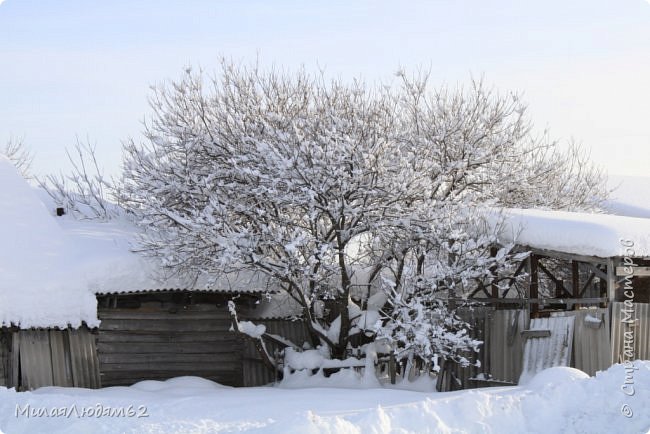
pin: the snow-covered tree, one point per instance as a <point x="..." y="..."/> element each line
<point x="84" y="192"/>
<point x="327" y="187"/>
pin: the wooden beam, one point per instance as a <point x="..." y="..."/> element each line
<point x="558" y="283"/>
<point x="586" y="285"/>
<point x="540" y="301"/>
<point x="597" y="271"/>
<point x="513" y="279"/>
<point x="636" y="271"/>
<point x="567" y="256"/>
<point x="527" y="334"/>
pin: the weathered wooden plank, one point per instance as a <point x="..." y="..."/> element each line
<point x="178" y="348"/>
<point x="130" y="372"/>
<point x="611" y="279"/>
<point x="169" y="357"/>
<point x="162" y="315"/>
<point x="165" y="325"/>
<point x="151" y="342"/>
<point x="178" y="367"/>
<point x="636" y="271"/>
<point x="14" y="361"/>
<point x="528" y="334"/>
<point x="126" y="336"/>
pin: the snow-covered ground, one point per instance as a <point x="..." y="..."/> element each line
<point x="558" y="400"/>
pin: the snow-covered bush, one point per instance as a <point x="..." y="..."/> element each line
<point x="327" y="187"/>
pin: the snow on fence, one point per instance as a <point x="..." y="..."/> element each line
<point x="502" y="354"/>
<point x="256" y="372"/>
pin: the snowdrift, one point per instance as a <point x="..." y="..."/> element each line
<point x="556" y="400"/>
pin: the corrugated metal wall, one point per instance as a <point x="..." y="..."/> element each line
<point x="640" y="329"/>
<point x="456" y="377"/>
<point x="591" y="341"/>
<point x="502" y="350"/>
<point x="588" y="345"/>
<point x="545" y="352"/>
<point x="4" y="357"/>
<point x="256" y="372"/>
<point x="83" y="358"/>
<point x="505" y="344"/>
<point x="53" y="358"/>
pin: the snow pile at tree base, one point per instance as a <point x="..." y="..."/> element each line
<point x="556" y="400"/>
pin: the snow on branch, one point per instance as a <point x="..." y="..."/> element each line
<point x="19" y="155"/>
<point x="85" y="192"/>
<point x="337" y="191"/>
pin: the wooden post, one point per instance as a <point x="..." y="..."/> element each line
<point x="533" y="291"/>
<point x="611" y="279"/>
<point x="392" y="368"/>
<point x="575" y="277"/>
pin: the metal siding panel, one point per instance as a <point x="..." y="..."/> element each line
<point x="477" y="318"/>
<point x="555" y="350"/>
<point x="83" y="356"/>
<point x="641" y="312"/>
<point x="35" y="359"/>
<point x="256" y="373"/>
<point x="14" y="361"/>
<point x="506" y="346"/>
<point x="591" y="344"/>
<point x="61" y="374"/>
<point x="4" y="357"/>
<point x="94" y="359"/>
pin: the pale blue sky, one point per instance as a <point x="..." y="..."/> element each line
<point x="83" y="68"/>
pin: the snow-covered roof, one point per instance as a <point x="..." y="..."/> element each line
<point x="52" y="267"/>
<point x="104" y="258"/>
<point x="38" y="288"/>
<point x="577" y="233"/>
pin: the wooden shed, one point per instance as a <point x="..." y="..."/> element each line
<point x="156" y="335"/>
<point x="46" y="315"/>
<point x="79" y="308"/>
<point x="586" y="287"/>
